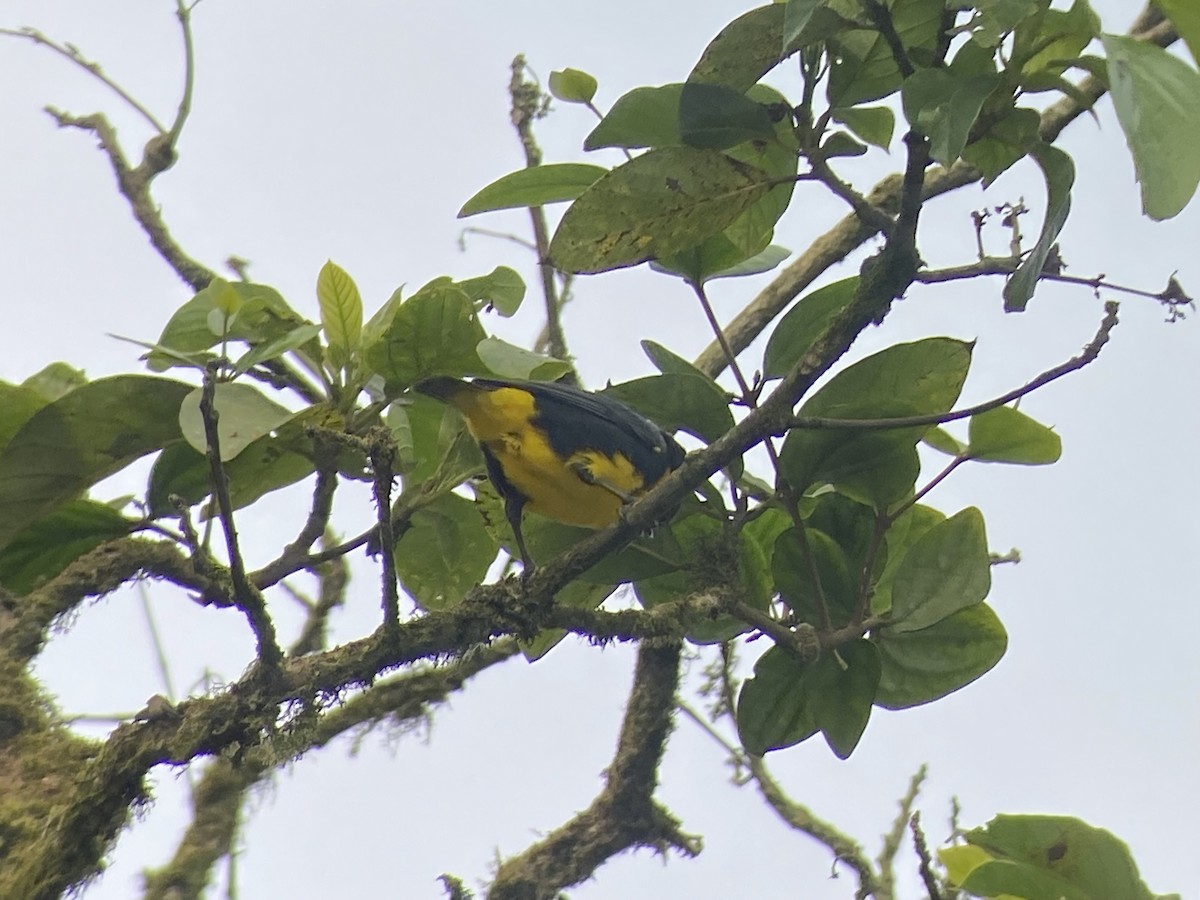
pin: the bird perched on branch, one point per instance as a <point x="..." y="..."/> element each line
<point x="568" y="454"/>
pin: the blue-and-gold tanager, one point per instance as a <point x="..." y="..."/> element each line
<point x="565" y="453"/>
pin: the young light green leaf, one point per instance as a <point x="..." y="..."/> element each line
<point x="1006" y="435"/>
<point x="645" y="117"/>
<point x="341" y="313"/>
<point x="658" y="204"/>
<point x="534" y="186"/>
<point x="840" y="144"/>
<point x="244" y="415"/>
<point x="1059" y="172"/>
<point x="262" y="316"/>
<point x="54" y="382"/>
<point x="1157" y="98"/>
<point x="948" y="569"/>
<point x="572" y="86"/>
<point x="1185" y="16"/>
<point x="923" y="666"/>
<point x="18" y="403"/>
<point x="69" y="445"/>
<point x="940" y="439"/>
<point x="502" y="289"/>
<point x="766" y="261"/>
<point x="510" y="361"/>
<point x="1052" y="856"/>
<point x="297" y="337"/>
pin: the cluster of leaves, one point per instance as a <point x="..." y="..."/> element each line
<point x="839" y="546"/>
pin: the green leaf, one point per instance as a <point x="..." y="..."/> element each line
<point x="774" y="708"/>
<point x="341" y="313"/>
<point x="744" y="247"/>
<point x="1157" y="98"/>
<point x="510" y="361"/>
<point x="840" y="144"/>
<point x="244" y="415"/>
<point x="46" y="547"/>
<point x="647" y="557"/>
<point x="920" y="378"/>
<point x="69" y="445"/>
<point x="54" y="382"/>
<point x="573" y="86"/>
<point x="1059" y="172"/>
<point x="1005" y="141"/>
<point x="691" y="403"/>
<point x="272" y="462"/>
<point x="18" y="403"/>
<point x="948" y="569"/>
<point x="645" y="117"/>
<point x="766" y="261"/>
<point x="1052" y="856"/>
<point x="444" y="552"/>
<point x="1048" y="41"/>
<point x="803" y="324"/>
<point x="874" y="124"/>
<point x="262" y="316"/>
<point x="709" y="554"/>
<point x="433" y="332"/>
<point x="291" y="340"/>
<point x="745" y="50"/>
<point x="793" y="578"/>
<point x="535" y="186"/>
<point x="923" y="666"/>
<point x="716" y="117"/>
<point x="940" y="439"/>
<point x="502" y="289"/>
<point x="864" y="67"/>
<point x="797" y="15"/>
<point x="1007" y="435"/>
<point x="669" y="363"/>
<point x="656" y="205"/>
<point x="901" y="537"/>
<point x="1185" y="16"/>
<point x="944" y="104"/>
<point x="753" y="44"/>
<point x="576" y="594"/>
<point x="842" y="689"/>
<point x="996" y="19"/>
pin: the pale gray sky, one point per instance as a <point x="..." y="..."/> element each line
<point x="355" y="132"/>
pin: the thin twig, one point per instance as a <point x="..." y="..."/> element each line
<point x="381" y="450"/>
<point x="72" y="53"/>
<point x="891" y="840"/>
<point x="925" y="866"/>
<point x="1090" y="352"/>
<point x="527" y="105"/>
<point x="249" y="600"/>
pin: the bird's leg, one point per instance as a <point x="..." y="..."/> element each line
<point x="513" y="505"/>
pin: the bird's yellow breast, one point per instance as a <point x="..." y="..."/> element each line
<point x="504" y="422"/>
